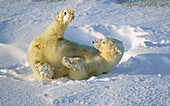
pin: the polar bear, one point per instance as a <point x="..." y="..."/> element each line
<point x="51" y="56"/>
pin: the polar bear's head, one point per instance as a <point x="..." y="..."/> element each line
<point x="109" y="47"/>
<point x="65" y="16"/>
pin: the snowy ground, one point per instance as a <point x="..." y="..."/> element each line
<point x="141" y="78"/>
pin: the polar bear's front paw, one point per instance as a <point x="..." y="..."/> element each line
<point x="44" y="69"/>
<point x="75" y="63"/>
<point x="65" y="16"/>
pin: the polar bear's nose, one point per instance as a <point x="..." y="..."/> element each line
<point x="93" y="42"/>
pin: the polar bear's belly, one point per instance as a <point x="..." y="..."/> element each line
<point x="54" y="58"/>
<point x="54" y="55"/>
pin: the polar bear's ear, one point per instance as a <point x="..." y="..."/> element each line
<point x="117" y="51"/>
<point x="104" y="42"/>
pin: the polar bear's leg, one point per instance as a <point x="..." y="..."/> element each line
<point x="75" y="63"/>
<point x="77" y="67"/>
<point x="44" y="69"/>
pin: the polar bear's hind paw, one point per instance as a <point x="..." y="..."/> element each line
<point x="44" y="69"/>
<point x="65" y="16"/>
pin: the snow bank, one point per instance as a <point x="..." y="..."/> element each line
<point x="10" y="56"/>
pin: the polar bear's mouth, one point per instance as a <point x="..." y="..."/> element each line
<point x="93" y="48"/>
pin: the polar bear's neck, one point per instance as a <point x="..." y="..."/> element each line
<point x="55" y="29"/>
<point x="108" y="56"/>
<point x="111" y="58"/>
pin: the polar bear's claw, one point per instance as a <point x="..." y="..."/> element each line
<point x="44" y="69"/>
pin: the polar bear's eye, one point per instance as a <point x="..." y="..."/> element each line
<point x="64" y="13"/>
<point x="104" y="42"/>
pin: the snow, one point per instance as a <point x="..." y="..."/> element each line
<point x="141" y="78"/>
<point x="10" y="55"/>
